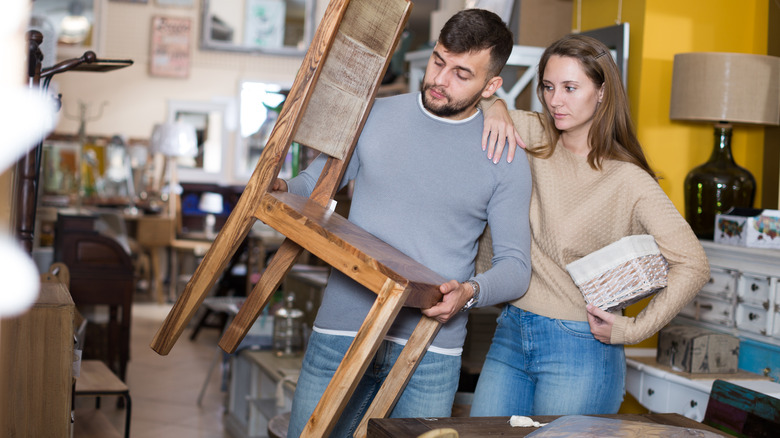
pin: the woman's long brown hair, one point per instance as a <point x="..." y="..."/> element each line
<point x="612" y="134"/>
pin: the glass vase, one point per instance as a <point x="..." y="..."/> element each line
<point x="716" y="186"/>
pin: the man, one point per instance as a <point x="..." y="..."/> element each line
<point x="422" y="185"/>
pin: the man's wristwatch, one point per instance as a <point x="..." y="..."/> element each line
<point x="474" y="299"/>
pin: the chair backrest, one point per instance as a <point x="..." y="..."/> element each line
<point x="740" y="411"/>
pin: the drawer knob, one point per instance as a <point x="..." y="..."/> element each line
<point x="650" y="391"/>
<point x="754" y="287"/>
<point x="694" y="403"/>
<point x="752" y="316"/>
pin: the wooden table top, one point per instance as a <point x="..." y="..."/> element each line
<point x="489" y="426"/>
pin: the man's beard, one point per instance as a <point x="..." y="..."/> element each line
<point x="451" y="108"/>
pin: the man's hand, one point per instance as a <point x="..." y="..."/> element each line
<point x="600" y="323"/>
<point x="499" y="129"/>
<point x="279" y="185"/>
<point x="455" y="297"/>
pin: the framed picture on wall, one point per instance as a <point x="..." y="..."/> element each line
<point x="170" y="47"/>
<point x="264" y="23"/>
<point x="180" y="3"/>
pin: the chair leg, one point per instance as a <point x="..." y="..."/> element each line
<point x="277" y="269"/>
<point x="378" y="321"/>
<point x="402" y="371"/>
<point x="206" y="275"/>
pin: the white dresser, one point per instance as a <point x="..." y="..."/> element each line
<point x="742" y="298"/>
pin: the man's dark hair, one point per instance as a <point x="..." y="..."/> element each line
<point x="473" y="30"/>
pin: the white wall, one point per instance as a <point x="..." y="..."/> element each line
<point x="135" y="101"/>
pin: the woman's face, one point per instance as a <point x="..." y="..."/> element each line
<point x="570" y="96"/>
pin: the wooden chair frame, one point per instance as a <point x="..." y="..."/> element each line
<point x="335" y="87"/>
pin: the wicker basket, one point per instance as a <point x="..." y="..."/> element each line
<point x="621" y="273"/>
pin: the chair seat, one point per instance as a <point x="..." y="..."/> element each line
<point x="357" y="253"/>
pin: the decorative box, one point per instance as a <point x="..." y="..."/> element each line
<point x="697" y="350"/>
<point x="748" y="227"/>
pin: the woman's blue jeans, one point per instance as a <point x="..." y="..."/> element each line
<point x="429" y="393"/>
<point x="542" y="366"/>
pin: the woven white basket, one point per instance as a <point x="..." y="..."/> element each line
<point x="621" y="273"/>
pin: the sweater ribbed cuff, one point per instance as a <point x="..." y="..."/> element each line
<point x="618" y="336"/>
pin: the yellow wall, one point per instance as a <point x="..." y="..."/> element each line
<point x="659" y="30"/>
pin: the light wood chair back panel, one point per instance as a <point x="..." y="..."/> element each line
<point x="361" y="49"/>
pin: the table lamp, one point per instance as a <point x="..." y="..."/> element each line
<point x="211" y="204"/>
<point x="722" y="88"/>
<point x="173" y="140"/>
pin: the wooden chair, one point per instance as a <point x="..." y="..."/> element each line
<point x="741" y="411"/>
<point x="326" y="109"/>
<point x="101" y="274"/>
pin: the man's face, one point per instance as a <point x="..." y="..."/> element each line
<point x="454" y="83"/>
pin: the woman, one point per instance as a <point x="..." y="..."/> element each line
<point x="551" y="354"/>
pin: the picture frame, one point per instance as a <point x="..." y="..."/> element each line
<point x="171" y="41"/>
<point x="208" y="119"/>
<point x="264" y="23"/>
<point x="177" y="3"/>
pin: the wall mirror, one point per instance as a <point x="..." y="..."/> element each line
<point x="281" y="27"/>
<point x="259" y="107"/>
<point x="208" y="118"/>
<point x="69" y="27"/>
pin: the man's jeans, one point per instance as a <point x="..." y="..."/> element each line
<point x="429" y="393"/>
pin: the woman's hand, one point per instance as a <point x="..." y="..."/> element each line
<point x="499" y="130"/>
<point x="600" y="323"/>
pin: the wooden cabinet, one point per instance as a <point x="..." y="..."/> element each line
<point x="36" y="367"/>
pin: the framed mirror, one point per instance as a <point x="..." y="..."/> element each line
<point x="69" y="27"/>
<point x="283" y="27"/>
<point x="259" y="107"/>
<point x="208" y="118"/>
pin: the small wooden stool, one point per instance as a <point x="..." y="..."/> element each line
<point x="97" y="380"/>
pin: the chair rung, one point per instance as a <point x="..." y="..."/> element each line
<point x="347" y="247"/>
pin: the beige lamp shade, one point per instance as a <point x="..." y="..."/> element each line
<point x="726" y="87"/>
<point x="177" y="139"/>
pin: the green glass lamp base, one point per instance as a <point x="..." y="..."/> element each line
<point x="716" y="186"/>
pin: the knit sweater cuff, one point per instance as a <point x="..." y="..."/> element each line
<point x="618" y="336"/>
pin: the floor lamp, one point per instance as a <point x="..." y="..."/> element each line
<point x="724" y="89"/>
<point x="174" y="140"/>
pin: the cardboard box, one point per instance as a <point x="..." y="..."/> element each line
<point x="697" y="350"/>
<point x="748" y="227"/>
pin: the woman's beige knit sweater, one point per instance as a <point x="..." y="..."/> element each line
<point x="576" y="210"/>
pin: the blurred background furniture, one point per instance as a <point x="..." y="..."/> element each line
<point x="741" y="411"/>
<point x="155" y="233"/>
<point x="96" y="380"/>
<point x="36" y="366"/>
<point x="101" y="280"/>
<point x="741" y="300"/>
